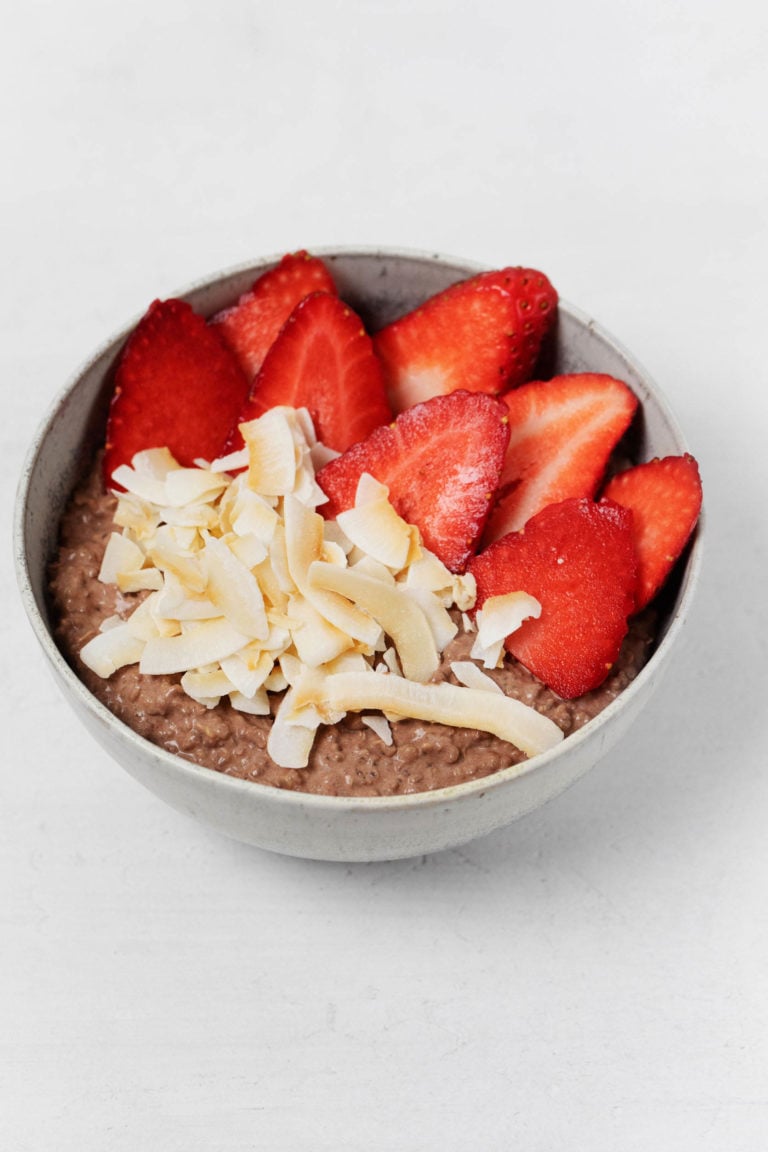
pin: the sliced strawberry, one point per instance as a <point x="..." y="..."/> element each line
<point x="177" y="386"/>
<point x="536" y="310"/>
<point x="562" y="432"/>
<point x="480" y="335"/>
<point x="665" y="497"/>
<point x="441" y="461"/>
<point x="578" y="559"/>
<point x="322" y="360"/>
<point x="252" y="324"/>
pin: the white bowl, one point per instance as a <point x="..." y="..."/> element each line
<point x="381" y="285"/>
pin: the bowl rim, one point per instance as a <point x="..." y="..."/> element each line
<point x="313" y="800"/>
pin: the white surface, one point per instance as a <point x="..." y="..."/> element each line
<point x="592" y="978"/>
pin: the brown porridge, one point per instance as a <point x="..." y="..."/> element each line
<point x="348" y="759"/>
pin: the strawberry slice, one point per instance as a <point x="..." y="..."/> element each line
<point x="482" y="335"/>
<point x="251" y="325"/>
<point x="177" y="386"/>
<point x="536" y="308"/>
<point x="441" y="462"/>
<point x="665" y="497"/>
<point x="578" y="559"/>
<point x="562" y="432"/>
<point x="322" y="360"/>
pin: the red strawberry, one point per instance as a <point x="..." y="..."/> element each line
<point x="536" y="307"/>
<point x="441" y="461"/>
<point x="665" y="497"/>
<point x="562" y="432"/>
<point x="322" y="360"/>
<point x="253" y="323"/>
<point x="578" y="559"/>
<point x="482" y="335"/>
<point x="177" y="386"/>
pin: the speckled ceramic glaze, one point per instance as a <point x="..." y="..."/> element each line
<point x="380" y="285"/>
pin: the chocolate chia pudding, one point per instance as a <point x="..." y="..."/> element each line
<point x="348" y="759"/>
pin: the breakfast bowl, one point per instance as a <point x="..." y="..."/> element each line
<point x="380" y="285"/>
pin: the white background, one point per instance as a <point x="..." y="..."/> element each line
<point x="593" y="978"/>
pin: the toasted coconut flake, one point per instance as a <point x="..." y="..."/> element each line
<point x="316" y="640"/>
<point x="471" y="676"/>
<point x="139" y="516"/>
<point x="308" y="490"/>
<point x="156" y="463"/>
<point x="290" y="742"/>
<point x="497" y="619"/>
<point x="290" y="666"/>
<point x="279" y="573"/>
<point x="379" y="725"/>
<point x="249" y="550"/>
<point x="147" y="580"/>
<point x="276" y="681"/>
<point x="188" y="486"/>
<point x="143" y="621"/>
<point x="304" y="544"/>
<point x="121" y="557"/>
<point x="333" y="553"/>
<point x="444" y="703"/>
<point x="375" y="527"/>
<point x="279" y="638"/>
<point x="303" y="540"/>
<point x="169" y="553"/>
<point x="367" y="566"/>
<point x="207" y="685"/>
<point x="370" y="490"/>
<point x="347" y="662"/>
<point x="290" y="745"/>
<point x="398" y="615"/>
<point x="200" y="516"/>
<point x="430" y="573"/>
<point x="443" y="626"/>
<point x="111" y="622"/>
<point x="252" y="515"/>
<point x="232" y="462"/>
<point x="271" y="453"/>
<point x="111" y="650"/>
<point x="200" y="642"/>
<point x="247" y="670"/>
<point x="502" y="615"/>
<point x="235" y="590"/>
<point x="175" y="602"/>
<point x="304" y="423"/>
<point x="256" y="705"/>
<point x="464" y="591"/>
<point x="145" y="476"/>
<point x="490" y="656"/>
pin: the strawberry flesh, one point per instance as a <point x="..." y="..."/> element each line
<point x="177" y="386"/>
<point x="562" y="432"/>
<point x="441" y="462"/>
<point x="251" y="325"/>
<point x="665" y="498"/>
<point x="322" y="360"/>
<point x="481" y="335"/>
<point x="578" y="559"/>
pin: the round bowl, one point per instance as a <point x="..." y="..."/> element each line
<point x="380" y="285"/>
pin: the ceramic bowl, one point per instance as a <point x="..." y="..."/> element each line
<point x="380" y="285"/>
